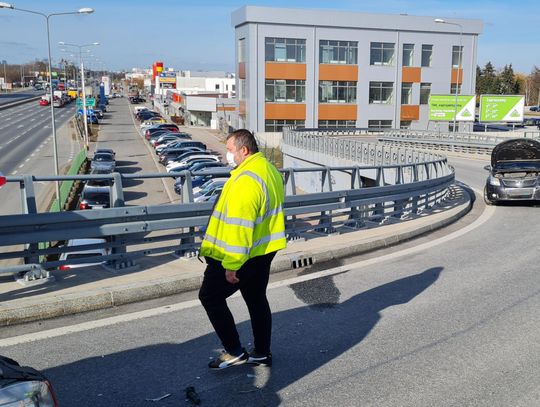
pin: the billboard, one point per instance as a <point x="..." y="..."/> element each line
<point x="443" y="108"/>
<point x="167" y="77"/>
<point x="501" y="108"/>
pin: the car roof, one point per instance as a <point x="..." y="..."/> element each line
<point x="84" y="241"/>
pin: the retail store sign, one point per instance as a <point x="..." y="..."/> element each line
<point x="444" y="108"/>
<point x="502" y="108"/>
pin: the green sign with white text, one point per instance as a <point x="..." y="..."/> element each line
<point x="89" y="102"/>
<point x="444" y="108"/>
<point x="501" y="108"/>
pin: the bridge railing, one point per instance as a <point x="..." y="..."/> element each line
<point x="398" y="192"/>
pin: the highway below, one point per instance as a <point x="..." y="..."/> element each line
<point x="11" y="97"/>
<point x="447" y="320"/>
<point x="26" y="145"/>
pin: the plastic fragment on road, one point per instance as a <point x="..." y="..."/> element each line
<point x="160" y="398"/>
<point x="192" y="396"/>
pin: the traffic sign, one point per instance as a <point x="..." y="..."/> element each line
<point x="501" y="108"/>
<point x="89" y="102"/>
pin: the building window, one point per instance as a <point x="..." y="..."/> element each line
<point x="337" y="92"/>
<point x="406" y="93"/>
<point x="405" y="124"/>
<point x="288" y="91"/>
<point x="242" y="90"/>
<point x="457" y="56"/>
<point x="242" y="50"/>
<point x="382" y="53"/>
<point x="337" y="124"/>
<point x="217" y="86"/>
<point x="425" y="92"/>
<point x="427" y="51"/>
<point x="381" y="92"/>
<point x="285" y="50"/>
<point x="233" y="87"/>
<point x="277" y="125"/>
<point x="379" y="124"/>
<point x="408" y="54"/>
<point x="454" y="87"/>
<point x="338" y="52"/>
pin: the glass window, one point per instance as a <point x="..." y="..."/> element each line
<point x="382" y="53"/>
<point x="427" y="51"/>
<point x="406" y="93"/>
<point x="337" y="92"/>
<point x="285" y="49"/>
<point x="381" y="92"/>
<point x="457" y="56"/>
<point x="455" y="87"/>
<point x="242" y="50"/>
<point x="277" y="125"/>
<point x="242" y="89"/>
<point x="217" y="86"/>
<point x="288" y="91"/>
<point x="408" y="54"/>
<point x="425" y="92"/>
<point x="338" y="52"/>
<point x="379" y="124"/>
<point x="405" y="124"/>
<point x="337" y="124"/>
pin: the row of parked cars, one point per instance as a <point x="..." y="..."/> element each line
<point x="178" y="152"/>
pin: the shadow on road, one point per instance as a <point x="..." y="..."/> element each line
<point x="305" y="339"/>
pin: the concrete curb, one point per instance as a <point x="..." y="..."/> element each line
<point x="35" y="310"/>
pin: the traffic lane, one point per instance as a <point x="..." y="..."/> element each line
<point x="456" y="316"/>
<point x="470" y="171"/>
<point x="21" y="143"/>
<point x="6" y="98"/>
<point x="14" y="119"/>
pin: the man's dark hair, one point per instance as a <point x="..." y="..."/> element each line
<point x="245" y="138"/>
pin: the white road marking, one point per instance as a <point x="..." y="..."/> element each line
<point x="22" y="165"/>
<point x="14" y="173"/>
<point x="86" y="326"/>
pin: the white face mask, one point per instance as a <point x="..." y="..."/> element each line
<point x="230" y="159"/>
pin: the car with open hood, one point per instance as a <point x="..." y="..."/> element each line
<point x="514" y="174"/>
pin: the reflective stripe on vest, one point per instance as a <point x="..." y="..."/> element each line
<point x="268" y="239"/>
<point x="233" y="221"/>
<point x="227" y="247"/>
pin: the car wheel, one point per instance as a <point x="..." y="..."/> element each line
<point x="488" y="201"/>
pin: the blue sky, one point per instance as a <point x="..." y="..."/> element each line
<point x="197" y="34"/>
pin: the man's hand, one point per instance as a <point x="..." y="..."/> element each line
<point x="230" y="276"/>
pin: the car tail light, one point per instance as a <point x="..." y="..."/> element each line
<point x="32" y="393"/>
<point x="2" y="179"/>
<point x="83" y="205"/>
<point x="64" y="268"/>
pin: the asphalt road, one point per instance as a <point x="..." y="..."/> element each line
<point x="11" y="97"/>
<point x="26" y="145"/>
<point x="450" y="322"/>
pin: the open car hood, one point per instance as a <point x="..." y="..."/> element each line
<point x="515" y="150"/>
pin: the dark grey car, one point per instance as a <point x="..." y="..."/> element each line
<point x="103" y="162"/>
<point x="514" y="172"/>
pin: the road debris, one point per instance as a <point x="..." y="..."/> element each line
<point x="191" y="395"/>
<point x="160" y="398"/>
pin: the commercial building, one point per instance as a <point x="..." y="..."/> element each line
<point x="321" y="68"/>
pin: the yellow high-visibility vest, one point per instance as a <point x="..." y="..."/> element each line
<point x="248" y="218"/>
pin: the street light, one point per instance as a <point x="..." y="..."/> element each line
<point x="85" y="117"/>
<point x="441" y="21"/>
<point x="84" y="10"/>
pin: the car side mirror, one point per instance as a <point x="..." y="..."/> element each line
<point x="487" y="168"/>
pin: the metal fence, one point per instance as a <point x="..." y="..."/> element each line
<point x="404" y="185"/>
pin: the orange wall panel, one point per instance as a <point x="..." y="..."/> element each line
<point x="226" y="108"/>
<point x="274" y="70"/>
<point x="288" y="111"/>
<point x="410" y="112"/>
<point x="331" y="72"/>
<point x="242" y="107"/>
<point x="242" y="70"/>
<point x="455" y="75"/>
<point x="411" y="74"/>
<point x="337" y="112"/>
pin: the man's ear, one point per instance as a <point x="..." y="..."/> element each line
<point x="245" y="150"/>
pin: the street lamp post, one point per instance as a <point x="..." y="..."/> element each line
<point x="84" y="10"/>
<point x="85" y="114"/>
<point x="441" y="21"/>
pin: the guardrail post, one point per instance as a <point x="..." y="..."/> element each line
<point x="325" y="222"/>
<point x="117" y="198"/>
<point x="355" y="215"/>
<point x="187" y="197"/>
<point x="29" y="202"/>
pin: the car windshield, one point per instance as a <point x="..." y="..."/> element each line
<point x="518" y="166"/>
<point x="103" y="157"/>
<point x="96" y="196"/>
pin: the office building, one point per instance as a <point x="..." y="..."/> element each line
<point x="322" y="68"/>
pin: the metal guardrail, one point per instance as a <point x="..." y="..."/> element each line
<point x="400" y="191"/>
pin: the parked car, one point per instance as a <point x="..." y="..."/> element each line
<point x="105" y="150"/>
<point x="101" y="182"/>
<point x="514" y="172"/>
<point x="208" y="186"/>
<point x="149" y="122"/>
<point x="157" y="131"/>
<point x="99" y="113"/>
<point x="209" y="196"/>
<point x="198" y="180"/>
<point x="534" y="108"/>
<point x="92" y="119"/>
<point x="138" y="109"/>
<point x="24" y="386"/>
<point x="82" y="254"/>
<point x="190" y="159"/>
<point x="188" y="166"/>
<point x="169" y="153"/>
<point x="167" y="137"/>
<point x="172" y="143"/>
<point x="103" y="161"/>
<point x="145" y="115"/>
<point x="190" y="151"/>
<point x="95" y="197"/>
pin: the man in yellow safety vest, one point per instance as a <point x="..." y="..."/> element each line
<point x="245" y="230"/>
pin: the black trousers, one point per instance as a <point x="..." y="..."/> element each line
<point x="215" y="289"/>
